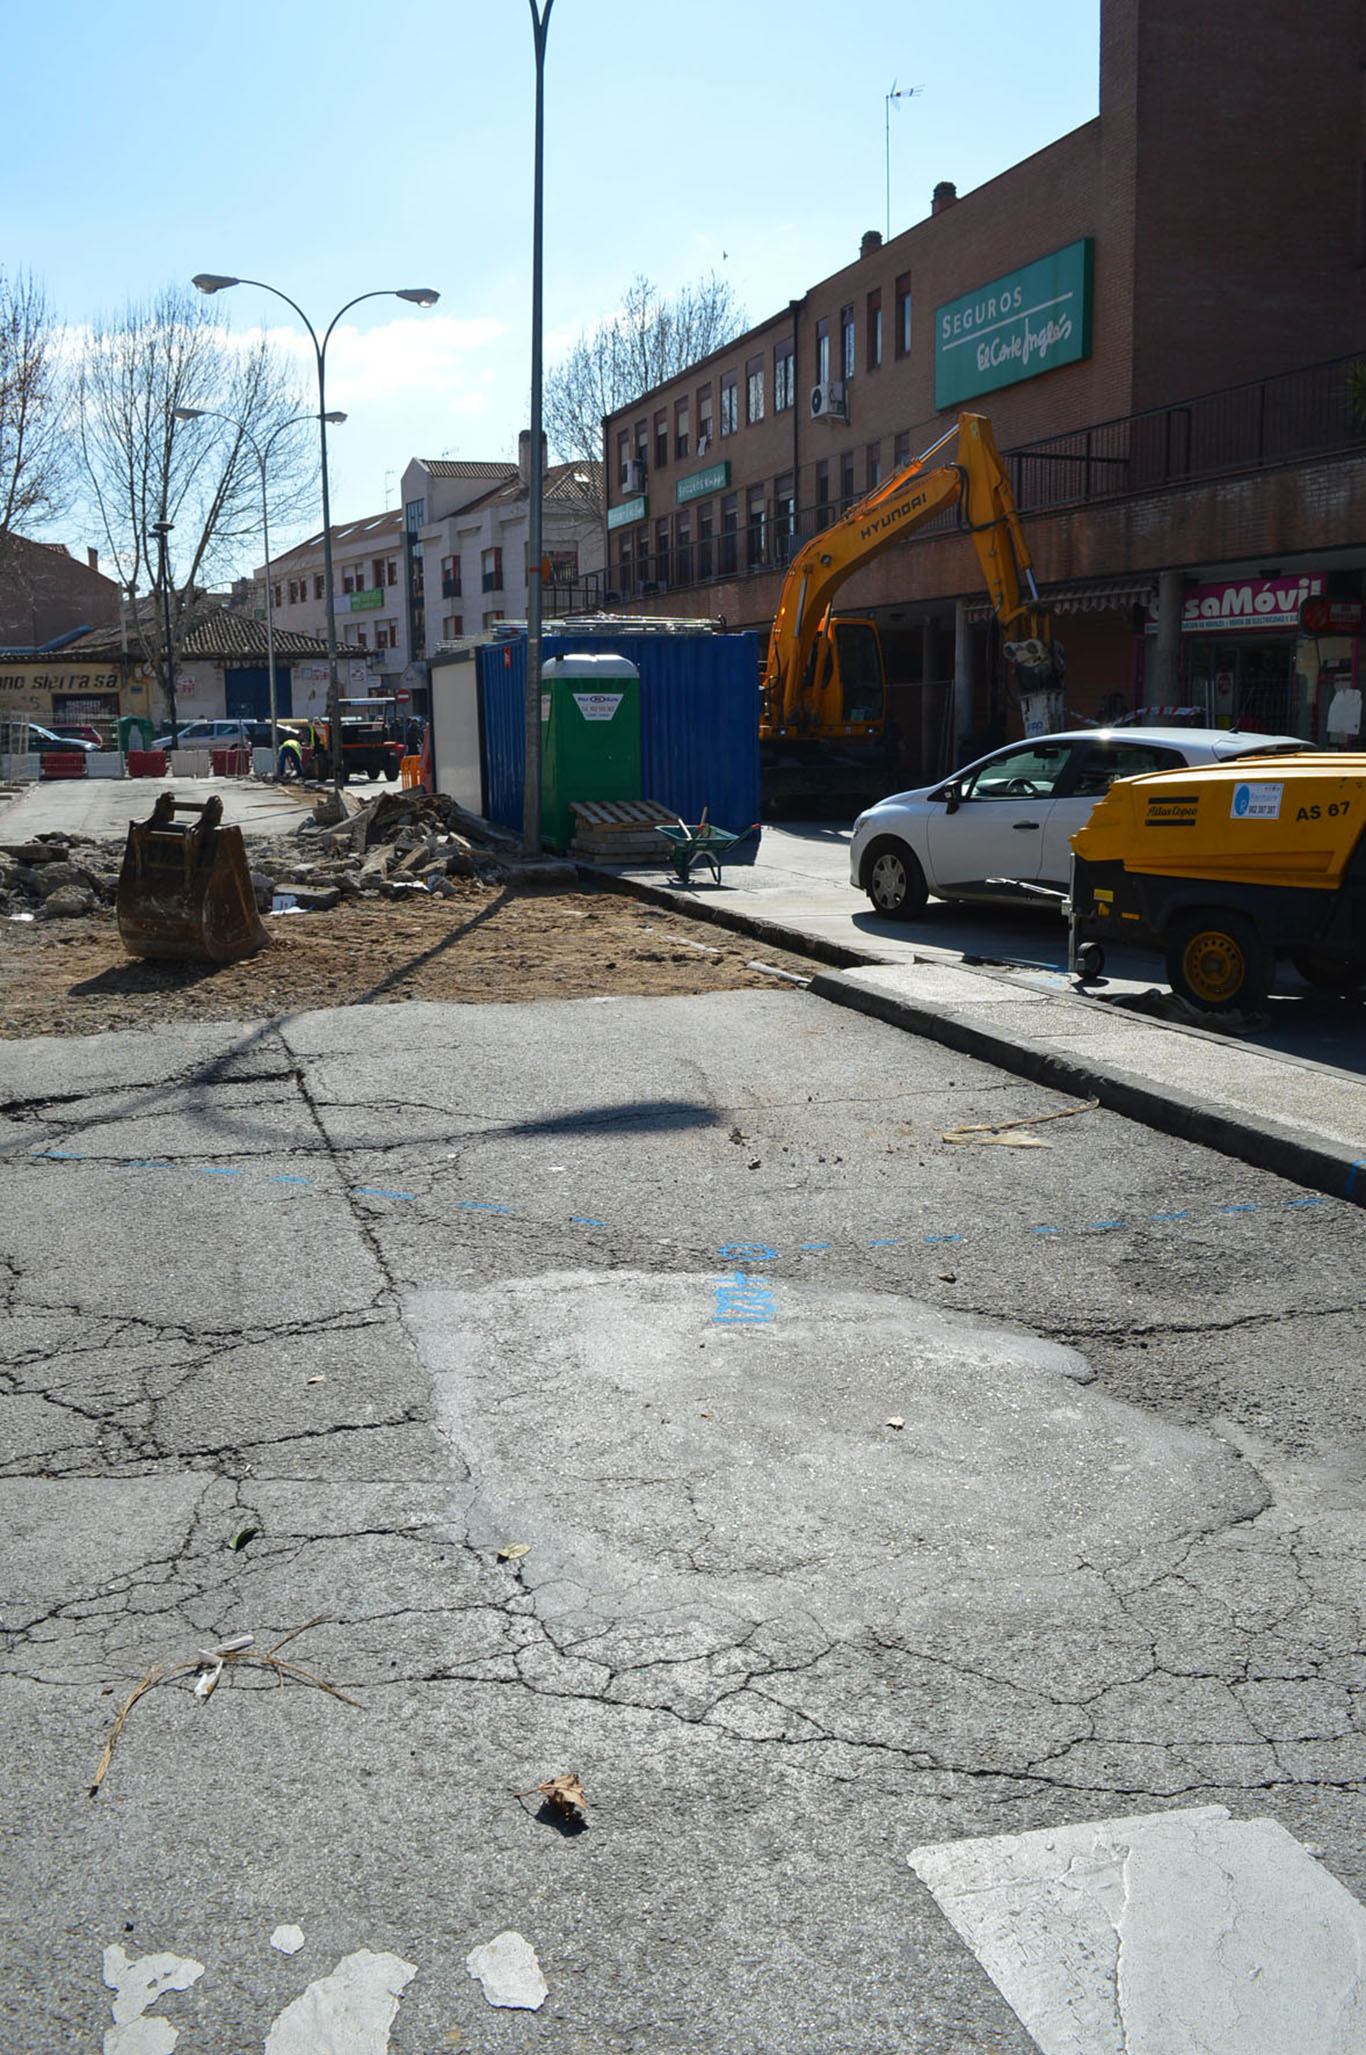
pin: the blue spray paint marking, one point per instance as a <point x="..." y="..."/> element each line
<point x="1169" y="1216"/>
<point x="1048" y="1230"/>
<point x="743" y="1301"/>
<point x="1304" y="1202"/>
<point x="292" y="1180"/>
<point x="66" y="1155"/>
<point x="582" y="1220"/>
<point x="369" y="1191"/>
<point x="748" y="1252"/>
<point x="941" y="1237"/>
<point x="888" y="1241"/>
<point x="212" y="1170"/>
<point x="145" y="1163"/>
<point x="1237" y="1209"/>
<point x="481" y="1206"/>
<point x="1098" y="1226"/>
<point x="811" y="1248"/>
<point x="1360" y="1164"/>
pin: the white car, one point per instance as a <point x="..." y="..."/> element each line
<point x="1007" y="820"/>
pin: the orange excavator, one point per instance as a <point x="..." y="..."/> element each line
<point x="823" y="715"/>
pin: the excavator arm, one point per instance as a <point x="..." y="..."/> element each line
<point x="801" y="646"/>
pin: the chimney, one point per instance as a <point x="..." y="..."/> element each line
<point x="945" y="193"/>
<point x="524" y="456"/>
<point x="92" y="557"/>
<point x="872" y="240"/>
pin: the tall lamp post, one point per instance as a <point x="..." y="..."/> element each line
<point x="531" y="784"/>
<point x="161" y="529"/>
<point x="212" y="414"/>
<point x="419" y="296"/>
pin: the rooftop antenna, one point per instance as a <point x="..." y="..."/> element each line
<point x="897" y="93"/>
<point x="387" y="477"/>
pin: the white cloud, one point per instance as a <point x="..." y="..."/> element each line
<point x="422" y="355"/>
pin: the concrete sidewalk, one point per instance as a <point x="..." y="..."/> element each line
<point x="1270" y="1107"/>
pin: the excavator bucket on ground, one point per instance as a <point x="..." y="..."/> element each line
<point x="185" y="890"/>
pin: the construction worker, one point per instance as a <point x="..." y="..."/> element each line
<point x="301" y="749"/>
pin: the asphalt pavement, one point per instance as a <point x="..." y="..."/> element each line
<point x="1287" y="1092"/>
<point x="104" y="806"/>
<point x="938" y="1558"/>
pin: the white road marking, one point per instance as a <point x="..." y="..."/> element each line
<point x="1161" y="1935"/>
<point x="347" y="2013"/>
<point x="507" y="1969"/>
<point x="139" y="1982"/>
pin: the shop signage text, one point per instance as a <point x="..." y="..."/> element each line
<point x="697" y="484"/>
<point x="366" y="602"/>
<point x="1332" y="616"/>
<point x="1025" y="322"/>
<point x="1242" y="603"/>
<point x="629" y="510"/>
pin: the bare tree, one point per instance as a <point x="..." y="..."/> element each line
<point x="139" y="466"/>
<point x="650" y="339"/>
<point x="35" y="466"/>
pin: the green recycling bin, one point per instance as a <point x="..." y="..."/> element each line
<point x="590" y="737"/>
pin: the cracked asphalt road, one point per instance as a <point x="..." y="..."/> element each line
<point x="640" y="1286"/>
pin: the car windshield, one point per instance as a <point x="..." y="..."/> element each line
<point x="1027" y="773"/>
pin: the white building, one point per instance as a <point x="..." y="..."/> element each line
<point x="467" y="529"/>
<point x="370" y="602"/>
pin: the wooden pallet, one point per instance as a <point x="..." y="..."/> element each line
<point x="619" y="830"/>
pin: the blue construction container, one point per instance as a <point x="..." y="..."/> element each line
<point x="699" y="722"/>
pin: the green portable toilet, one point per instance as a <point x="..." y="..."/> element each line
<point x="590" y="737"/>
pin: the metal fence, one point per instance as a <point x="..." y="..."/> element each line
<point x="1244" y="428"/>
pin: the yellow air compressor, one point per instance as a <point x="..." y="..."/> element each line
<point x="1225" y="869"/>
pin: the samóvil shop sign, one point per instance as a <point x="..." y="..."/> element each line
<point x="1238" y="604"/>
<point x="1022" y="323"/>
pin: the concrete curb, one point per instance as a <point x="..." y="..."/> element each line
<point x="1288" y="1152"/>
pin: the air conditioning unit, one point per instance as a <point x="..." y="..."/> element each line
<point x="828" y="401"/>
<point x="634" y="480"/>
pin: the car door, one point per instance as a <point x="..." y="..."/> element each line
<point x="997" y="830"/>
<point x="1093" y="770"/>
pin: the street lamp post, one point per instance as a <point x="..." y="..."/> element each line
<point x="161" y="529"/>
<point x="212" y="414"/>
<point x="419" y="296"/>
<point x="531" y="784"/>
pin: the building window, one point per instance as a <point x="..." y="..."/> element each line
<point x="901" y="449"/>
<point x="293" y="591"/>
<point x="704" y="539"/>
<point x="319" y="587"/>
<point x="623" y="454"/>
<point x="414" y="515"/>
<point x="450" y="577"/>
<point x="682" y="421"/>
<point x="451" y="626"/>
<point x="416" y="576"/>
<point x="661" y="552"/>
<point x="903" y="315"/>
<point x="846" y="481"/>
<point x="847" y="342"/>
<point x="704" y="420"/>
<point x="491" y="571"/>
<point x="730" y="403"/>
<point x="754" y="390"/>
<point x="874" y="465"/>
<point x="756" y="528"/>
<point x="784" y="375"/>
<point x="642" y="432"/>
<point x="626" y="572"/>
<point x="730" y="528"/>
<point x="873" y="330"/>
<point x="683" y="548"/>
<point x="661" y="438"/>
<point x="784" y="517"/>
<point x="494" y="614"/>
<point x="386" y="635"/>
<point x="825" y="513"/>
<point x="564" y="566"/>
<point x="361" y="641"/>
<point x="822" y="352"/>
<point x="275" y="592"/>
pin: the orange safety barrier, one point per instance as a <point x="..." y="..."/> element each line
<point x="409" y="773"/>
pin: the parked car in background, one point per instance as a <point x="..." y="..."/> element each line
<point x="213" y="734"/>
<point x="80" y="731"/>
<point x="46" y="740"/>
<point x="1007" y="820"/>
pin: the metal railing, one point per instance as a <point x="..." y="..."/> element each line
<point x="1272" y="421"/>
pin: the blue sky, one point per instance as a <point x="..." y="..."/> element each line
<point x="334" y="148"/>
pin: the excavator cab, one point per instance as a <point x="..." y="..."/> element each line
<point x="862" y="673"/>
<point x="185" y="890"/>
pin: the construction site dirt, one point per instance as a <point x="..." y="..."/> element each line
<point x="483" y="944"/>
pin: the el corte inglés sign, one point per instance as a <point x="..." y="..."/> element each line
<point x="1025" y="322"/>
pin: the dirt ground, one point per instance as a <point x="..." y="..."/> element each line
<point x="484" y="946"/>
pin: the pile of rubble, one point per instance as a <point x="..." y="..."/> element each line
<point x="398" y="844"/>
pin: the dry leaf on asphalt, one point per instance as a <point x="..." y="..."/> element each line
<point x="513" y="1550"/>
<point x="564" y="1795"/>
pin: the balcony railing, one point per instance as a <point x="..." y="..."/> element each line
<point x="1245" y="428"/>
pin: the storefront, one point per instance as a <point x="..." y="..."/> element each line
<point x="1263" y="654"/>
<point x="61" y="694"/>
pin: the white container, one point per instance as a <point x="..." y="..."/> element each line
<point x="104" y="763"/>
<point x="191" y="763"/>
<point x="263" y="762"/>
<point x="20" y="770"/>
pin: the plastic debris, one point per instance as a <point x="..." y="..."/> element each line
<point x="895" y="1421"/>
<point x="507" y="1969"/>
<point x="513" y="1551"/>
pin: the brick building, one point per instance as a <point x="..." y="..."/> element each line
<point x="1158" y="312"/>
<point x="47" y="594"/>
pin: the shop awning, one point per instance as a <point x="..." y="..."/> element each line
<point x="1082" y="599"/>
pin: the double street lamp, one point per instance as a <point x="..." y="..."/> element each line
<point x="419" y="296"/>
<point x="212" y="414"/>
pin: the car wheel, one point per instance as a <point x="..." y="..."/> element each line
<point x="1331" y="973"/>
<point x="372" y="774"/>
<point x="391" y="772"/>
<point x="1218" y="963"/>
<point x="894" y="881"/>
